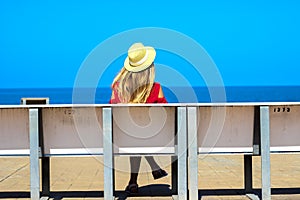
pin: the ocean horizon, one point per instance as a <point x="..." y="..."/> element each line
<point x="173" y="94"/>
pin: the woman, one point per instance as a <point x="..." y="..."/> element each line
<point x="135" y="84"/>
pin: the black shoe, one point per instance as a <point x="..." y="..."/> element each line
<point x="132" y="188"/>
<point x="157" y="174"/>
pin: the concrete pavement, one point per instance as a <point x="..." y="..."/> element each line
<point x="86" y="174"/>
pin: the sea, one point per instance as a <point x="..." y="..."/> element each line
<point x="173" y="94"/>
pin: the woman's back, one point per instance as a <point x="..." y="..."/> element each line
<point x="156" y="95"/>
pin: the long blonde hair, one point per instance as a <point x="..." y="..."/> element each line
<point x="134" y="87"/>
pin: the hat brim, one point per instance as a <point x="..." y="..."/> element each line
<point x="151" y="56"/>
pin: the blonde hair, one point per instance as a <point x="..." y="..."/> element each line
<point x="134" y="87"/>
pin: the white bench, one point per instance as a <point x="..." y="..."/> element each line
<point x="137" y="130"/>
<point x="234" y="128"/>
<point x="157" y="129"/>
<point x="87" y="130"/>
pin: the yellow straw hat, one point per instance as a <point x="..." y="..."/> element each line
<point x="139" y="57"/>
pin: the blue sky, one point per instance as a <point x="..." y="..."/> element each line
<point x="44" y="43"/>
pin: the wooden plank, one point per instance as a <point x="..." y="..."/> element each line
<point x="72" y="131"/>
<point x="14" y="131"/>
<point x="144" y="129"/>
<point x="225" y="129"/>
<point x="285" y="128"/>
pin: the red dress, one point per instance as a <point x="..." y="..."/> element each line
<point x="153" y="97"/>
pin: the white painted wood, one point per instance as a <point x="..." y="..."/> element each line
<point x="72" y="128"/>
<point x="285" y="128"/>
<point x="14" y="131"/>
<point x="229" y="128"/>
<point x="154" y="105"/>
<point x="144" y="127"/>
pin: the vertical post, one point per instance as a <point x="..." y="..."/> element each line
<point x="45" y="161"/>
<point x="265" y="152"/>
<point x="248" y="174"/>
<point x="174" y="173"/>
<point x="45" y="176"/>
<point x="182" y="153"/>
<point x="192" y="153"/>
<point x="108" y="154"/>
<point x="174" y="159"/>
<point x="34" y="154"/>
<point x="256" y="132"/>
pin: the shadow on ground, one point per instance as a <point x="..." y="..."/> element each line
<point x="146" y="191"/>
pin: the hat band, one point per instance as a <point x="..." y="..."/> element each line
<point x="140" y="61"/>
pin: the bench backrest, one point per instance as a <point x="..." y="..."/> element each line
<point x="75" y="131"/>
<point x="78" y="130"/>
<point x="225" y="129"/>
<point x="14" y="131"/>
<point x="144" y="129"/>
<point x="285" y="128"/>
